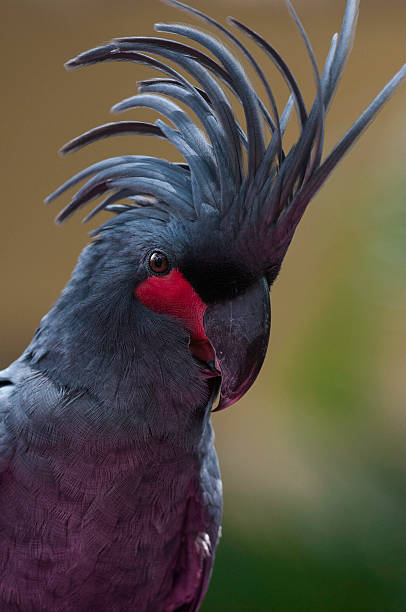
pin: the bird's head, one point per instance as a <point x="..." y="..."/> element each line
<point x="202" y="241"/>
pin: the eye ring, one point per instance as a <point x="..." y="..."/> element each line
<point x="159" y="263"/>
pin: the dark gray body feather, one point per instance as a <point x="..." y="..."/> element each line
<point x="109" y="484"/>
<point x="99" y="519"/>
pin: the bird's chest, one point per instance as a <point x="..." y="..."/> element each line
<point x="86" y="521"/>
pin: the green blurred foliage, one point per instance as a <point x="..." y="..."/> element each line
<point x="286" y="575"/>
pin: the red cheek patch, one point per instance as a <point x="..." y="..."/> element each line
<point x="173" y="295"/>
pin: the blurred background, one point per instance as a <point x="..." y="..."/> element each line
<point x="314" y="457"/>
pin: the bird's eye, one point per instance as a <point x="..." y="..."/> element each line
<point x="159" y="263"/>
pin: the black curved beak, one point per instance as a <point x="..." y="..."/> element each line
<point x="239" y="332"/>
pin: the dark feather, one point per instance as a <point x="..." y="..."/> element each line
<point x="117" y="128"/>
<point x="280" y="64"/>
<point x="240" y="84"/>
<point x="250" y="57"/>
<point x="268" y="199"/>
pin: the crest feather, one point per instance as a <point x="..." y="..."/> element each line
<point x="274" y="190"/>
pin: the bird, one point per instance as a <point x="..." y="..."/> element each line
<point x="110" y="490"/>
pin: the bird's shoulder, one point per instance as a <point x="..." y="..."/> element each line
<point x="10" y="379"/>
<point x="30" y="403"/>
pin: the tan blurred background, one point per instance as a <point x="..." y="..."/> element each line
<point x="314" y="457"/>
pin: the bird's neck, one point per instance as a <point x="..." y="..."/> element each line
<point x="134" y="363"/>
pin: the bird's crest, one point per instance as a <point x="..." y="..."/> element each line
<point x="229" y="170"/>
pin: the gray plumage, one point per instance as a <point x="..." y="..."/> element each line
<point x="110" y="492"/>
